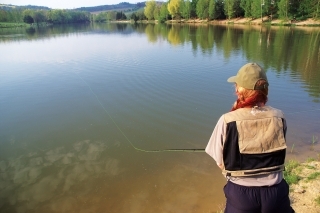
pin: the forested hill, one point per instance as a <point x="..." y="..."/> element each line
<point x="32" y="7"/>
<point x="123" y="6"/>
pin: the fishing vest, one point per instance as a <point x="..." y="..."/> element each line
<point x="254" y="142"/>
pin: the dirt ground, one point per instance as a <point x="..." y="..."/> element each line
<point x="308" y="22"/>
<point x="305" y="195"/>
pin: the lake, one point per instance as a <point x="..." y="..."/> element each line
<point x="88" y="112"/>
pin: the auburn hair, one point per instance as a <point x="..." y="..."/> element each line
<point x="250" y="98"/>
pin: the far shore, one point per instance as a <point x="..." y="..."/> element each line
<point x="265" y="21"/>
<point x="249" y="21"/>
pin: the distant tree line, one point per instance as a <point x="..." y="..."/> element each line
<point x="109" y="16"/>
<point x="123" y="6"/>
<point x="172" y="9"/>
<point x="55" y="16"/>
<point x="221" y="9"/>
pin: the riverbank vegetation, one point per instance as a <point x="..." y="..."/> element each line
<point x="288" y="11"/>
<point x="304" y="182"/>
<point x="293" y="10"/>
<point x="14" y="17"/>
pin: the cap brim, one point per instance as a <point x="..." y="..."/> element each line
<point x="232" y="79"/>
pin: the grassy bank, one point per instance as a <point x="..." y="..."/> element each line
<point x="304" y="182"/>
<point x="247" y="21"/>
<point x="12" y="25"/>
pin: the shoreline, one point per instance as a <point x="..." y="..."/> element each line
<point x="304" y="185"/>
<point x="235" y="21"/>
<point x="247" y="21"/>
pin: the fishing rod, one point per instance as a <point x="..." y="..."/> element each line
<point x="125" y="136"/>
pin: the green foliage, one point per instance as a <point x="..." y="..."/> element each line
<point x="149" y="9"/>
<point x="39" y="16"/>
<point x="28" y="19"/>
<point x="100" y="17"/>
<point x="111" y="15"/>
<point x="134" y="17"/>
<point x="202" y="9"/>
<point x="315" y="9"/>
<point x="219" y="10"/>
<point x="164" y="13"/>
<point x="289" y="175"/>
<point x="232" y="8"/>
<point x="123" y="6"/>
<point x="120" y="16"/>
<point x="238" y="11"/>
<point x="256" y="9"/>
<point x="310" y="160"/>
<point x="193" y="13"/>
<point x="174" y="8"/>
<point x="211" y="9"/>
<point x="283" y="9"/>
<point x="185" y="9"/>
<point x="67" y="16"/>
<point x="246" y="6"/>
<point x="140" y="15"/>
<point x="317" y="200"/>
<point x="10" y="25"/>
<point x="313" y="176"/>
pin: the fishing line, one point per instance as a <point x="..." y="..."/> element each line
<point x="157" y="150"/>
<point x="125" y="136"/>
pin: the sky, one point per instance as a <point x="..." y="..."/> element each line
<point x="66" y="4"/>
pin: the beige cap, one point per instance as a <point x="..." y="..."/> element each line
<point x="248" y="75"/>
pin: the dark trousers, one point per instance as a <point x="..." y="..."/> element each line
<point x="266" y="199"/>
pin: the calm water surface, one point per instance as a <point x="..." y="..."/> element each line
<point x="78" y="102"/>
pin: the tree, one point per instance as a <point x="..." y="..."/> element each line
<point x="120" y="16"/>
<point x="100" y="17"/>
<point x="28" y="16"/>
<point x="39" y="16"/>
<point x="270" y="7"/>
<point x="194" y="8"/>
<point x="185" y="9"/>
<point x="28" y="19"/>
<point x="111" y="15"/>
<point x="211" y="9"/>
<point x="134" y="17"/>
<point x="141" y="15"/>
<point x="164" y="13"/>
<point x="156" y="12"/>
<point x="202" y="9"/>
<point x="229" y="8"/>
<point x="149" y="9"/>
<point x="246" y="6"/>
<point x="173" y="8"/>
<point x="283" y="9"/>
<point x="256" y="9"/>
<point x="219" y="9"/>
<point x="315" y="9"/>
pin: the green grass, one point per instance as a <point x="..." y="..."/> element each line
<point x="313" y="176"/>
<point x="318" y="200"/>
<point x="11" y="25"/>
<point x="292" y="167"/>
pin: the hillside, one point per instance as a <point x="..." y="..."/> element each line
<point x="33" y="7"/>
<point x="123" y="6"/>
